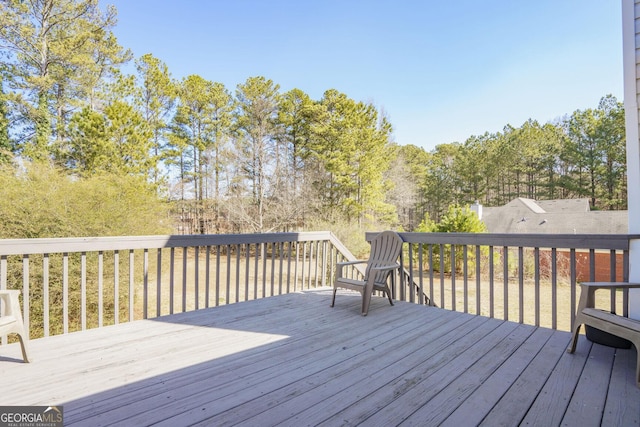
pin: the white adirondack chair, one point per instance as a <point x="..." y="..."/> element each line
<point x="11" y="321"/>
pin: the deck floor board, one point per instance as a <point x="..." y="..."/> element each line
<point x="291" y="360"/>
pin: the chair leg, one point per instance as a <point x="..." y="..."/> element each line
<point x="388" y="292"/>
<point x="366" y="301"/>
<point x="23" y="346"/>
<point x="333" y="301"/>
<point x="574" y="339"/>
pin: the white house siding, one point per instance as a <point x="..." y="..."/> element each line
<point x="631" y="58"/>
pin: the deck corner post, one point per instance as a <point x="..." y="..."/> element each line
<point x="630" y="46"/>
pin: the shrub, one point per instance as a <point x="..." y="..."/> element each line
<point x="42" y="201"/>
<point x="457" y="219"/>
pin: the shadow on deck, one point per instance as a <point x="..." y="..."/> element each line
<point x="293" y="360"/>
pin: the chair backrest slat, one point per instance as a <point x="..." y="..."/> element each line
<point x="385" y="250"/>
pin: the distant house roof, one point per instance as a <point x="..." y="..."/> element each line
<point x="565" y="216"/>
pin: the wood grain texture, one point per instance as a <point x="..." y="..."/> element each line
<point x="291" y="360"/>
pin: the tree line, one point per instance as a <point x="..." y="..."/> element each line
<point x="256" y="158"/>
<point x="580" y="155"/>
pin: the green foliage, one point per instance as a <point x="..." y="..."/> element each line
<point x="596" y="148"/>
<point x="89" y="149"/>
<point x="57" y="51"/>
<point x="457" y="219"/>
<point x="45" y="202"/>
<point x="5" y="142"/>
<point x="202" y="118"/>
<point x="352" y="145"/>
<point x="256" y="125"/>
<point x="351" y="234"/>
<point x="581" y="155"/>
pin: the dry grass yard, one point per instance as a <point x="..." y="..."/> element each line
<point x="546" y="308"/>
<point x="223" y="280"/>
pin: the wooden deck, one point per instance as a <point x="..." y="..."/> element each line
<point x="293" y="360"/>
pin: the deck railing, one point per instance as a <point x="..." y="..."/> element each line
<point x="71" y="284"/>
<point x="79" y="283"/>
<point x="527" y="278"/>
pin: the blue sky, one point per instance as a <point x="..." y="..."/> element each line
<point x="441" y="70"/>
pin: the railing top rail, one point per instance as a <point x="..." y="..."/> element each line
<point x="568" y="241"/>
<point x="93" y="244"/>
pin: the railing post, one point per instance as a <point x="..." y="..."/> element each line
<point x="26" y="312"/>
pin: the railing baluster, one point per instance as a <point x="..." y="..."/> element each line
<point x="263" y="251"/>
<point x="255" y="270"/>
<point x="289" y="266"/>
<point x="280" y="266"/>
<point x="247" y="248"/>
<point x="100" y="289"/>
<point x="172" y="271"/>
<point x="218" y="250"/>
<point x="83" y="290"/>
<point x="554" y="289"/>
<point x="273" y="267"/>
<point x="521" y="283"/>
<point x="420" y="276"/>
<point x="116" y="287"/>
<point x="196" y="276"/>
<point x="45" y="295"/>
<point x="26" y="297"/>
<point x="238" y="255"/>
<point x="572" y="272"/>
<point x="131" y="284"/>
<point x="491" y="281"/>
<point x="625" y="278"/>
<point x="207" y="277"/>
<point x="297" y="267"/>
<point x="145" y="284"/>
<point x="478" y="280"/>
<point x="310" y="273"/>
<point x="237" y="273"/>
<point x="453" y="277"/>
<point x="324" y="263"/>
<point x="442" y="276"/>
<point x="317" y="243"/>
<point x="465" y="274"/>
<point x="536" y="256"/>
<point x="304" y="260"/>
<point x="65" y="292"/>
<point x="227" y="296"/>
<point x="612" y="278"/>
<point x="411" y="290"/>
<point x="505" y="278"/>
<point x="185" y="254"/>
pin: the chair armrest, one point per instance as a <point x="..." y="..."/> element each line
<point x="10" y="298"/>
<point x="341" y="264"/>
<point x="609" y="285"/>
<point x="386" y="267"/>
<point x="9" y="292"/>
<point x="588" y="292"/>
